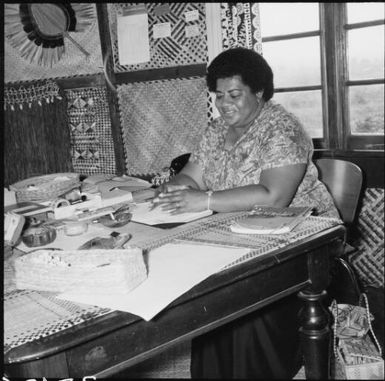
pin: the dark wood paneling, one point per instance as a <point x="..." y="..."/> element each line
<point x="198" y="70"/>
<point x="105" y="44"/>
<point x="36" y="141"/>
<point x="81" y="81"/>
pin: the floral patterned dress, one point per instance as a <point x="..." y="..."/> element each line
<point x="275" y="139"/>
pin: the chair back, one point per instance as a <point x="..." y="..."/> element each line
<point x="344" y="181"/>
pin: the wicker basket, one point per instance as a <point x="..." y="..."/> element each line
<point x="43" y="188"/>
<point x="359" y="359"/>
<point x="358" y="354"/>
<point x="100" y="271"/>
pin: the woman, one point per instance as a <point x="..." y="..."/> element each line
<point x="255" y="153"/>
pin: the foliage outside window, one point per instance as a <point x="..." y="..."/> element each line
<point x="328" y="63"/>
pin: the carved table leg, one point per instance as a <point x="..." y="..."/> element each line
<point x="315" y="335"/>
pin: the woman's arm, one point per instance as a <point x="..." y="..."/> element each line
<point x="277" y="187"/>
<point x="190" y="176"/>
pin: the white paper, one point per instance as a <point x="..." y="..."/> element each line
<point x="142" y="213"/>
<point x="192" y="31"/>
<point x="173" y="269"/>
<point x="133" y="40"/>
<point x="192" y="15"/>
<point x="162" y="30"/>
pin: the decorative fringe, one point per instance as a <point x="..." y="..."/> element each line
<point x="35" y="93"/>
<point x="34" y="45"/>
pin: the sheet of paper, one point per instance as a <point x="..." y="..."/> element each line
<point x="133" y="40"/>
<point x="192" y="31"/>
<point x="192" y="15"/>
<point x="142" y="213"/>
<point x="173" y="269"/>
<point x="162" y="30"/>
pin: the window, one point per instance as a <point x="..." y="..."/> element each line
<point x="328" y="63"/>
<point x="364" y="77"/>
<point x="291" y="44"/>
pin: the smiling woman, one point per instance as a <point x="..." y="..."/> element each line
<point x="254" y="153"/>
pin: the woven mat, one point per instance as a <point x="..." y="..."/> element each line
<point x="92" y="146"/>
<point x="368" y="260"/>
<point x="30" y="315"/>
<point x="176" y="49"/>
<point x="161" y="120"/>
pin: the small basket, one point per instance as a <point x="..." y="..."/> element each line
<point x="46" y="187"/>
<point x="101" y="271"/>
<point x="360" y="359"/>
<point x="357" y="357"/>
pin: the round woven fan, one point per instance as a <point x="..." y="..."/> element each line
<point x="38" y="30"/>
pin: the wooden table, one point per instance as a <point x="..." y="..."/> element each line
<point x="108" y="344"/>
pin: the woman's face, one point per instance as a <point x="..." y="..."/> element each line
<point x="235" y="102"/>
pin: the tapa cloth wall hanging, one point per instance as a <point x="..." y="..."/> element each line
<point x="37" y="31"/>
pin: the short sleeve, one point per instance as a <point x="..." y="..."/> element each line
<point x="285" y="143"/>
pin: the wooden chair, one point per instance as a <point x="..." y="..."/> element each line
<point x="344" y="182"/>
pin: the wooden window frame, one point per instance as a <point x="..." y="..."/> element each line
<point x="332" y="31"/>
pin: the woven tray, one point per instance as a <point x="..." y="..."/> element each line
<point x="46" y="187"/>
<point x="107" y="271"/>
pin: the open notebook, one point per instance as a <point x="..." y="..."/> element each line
<point x="142" y="213"/>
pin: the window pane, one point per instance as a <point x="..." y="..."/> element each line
<point x="294" y="62"/>
<point x="366" y="107"/>
<point x="281" y="18"/>
<point x="360" y="12"/>
<point x="366" y="52"/>
<point x="307" y="106"/>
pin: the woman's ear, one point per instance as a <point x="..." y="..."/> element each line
<point x="259" y="94"/>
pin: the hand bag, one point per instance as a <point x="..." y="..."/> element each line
<point x="357" y="352"/>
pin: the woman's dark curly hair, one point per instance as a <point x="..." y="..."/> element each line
<point x="248" y="64"/>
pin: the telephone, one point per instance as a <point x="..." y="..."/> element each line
<point x="13" y="225"/>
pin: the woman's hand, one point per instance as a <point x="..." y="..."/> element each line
<point x="180" y="199"/>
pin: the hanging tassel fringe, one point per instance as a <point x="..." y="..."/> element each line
<point x="16" y="98"/>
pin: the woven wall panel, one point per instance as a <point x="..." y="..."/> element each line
<point x="161" y="120"/>
<point x="92" y="147"/>
<point x="73" y="63"/>
<point x="175" y="50"/>
<point x="36" y="140"/>
<point x="369" y="258"/>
